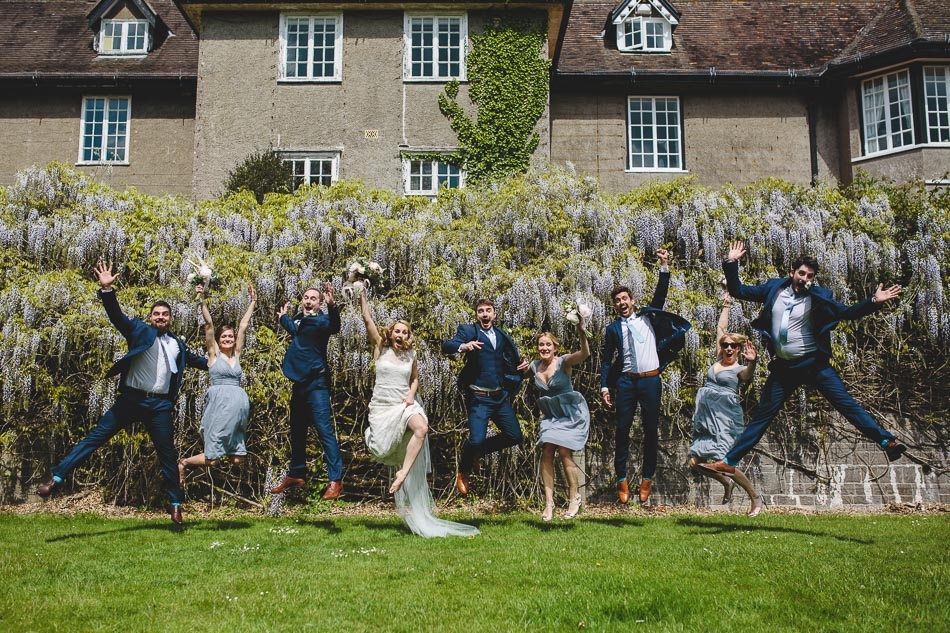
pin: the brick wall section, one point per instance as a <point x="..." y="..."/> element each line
<point x="247" y="111"/>
<point x="38" y="127"/>
<point x="727" y="139"/>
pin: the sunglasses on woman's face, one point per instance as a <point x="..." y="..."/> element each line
<point x="727" y="345"/>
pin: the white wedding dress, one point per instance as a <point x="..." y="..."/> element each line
<point x="387" y="437"/>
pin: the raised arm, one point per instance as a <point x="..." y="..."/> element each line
<point x="372" y="332"/>
<point x="210" y="344"/>
<point x="106" y="278"/>
<point x="245" y="321"/>
<point x="722" y="327"/>
<point x="333" y="310"/>
<point x="663" y="281"/>
<point x="730" y="267"/>
<point x="578" y="357"/>
<point x="285" y="321"/>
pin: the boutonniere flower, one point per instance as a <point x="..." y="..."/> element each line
<point x="809" y="284"/>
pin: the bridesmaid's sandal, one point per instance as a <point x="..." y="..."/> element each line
<point x="756" y="506"/>
<point x="727" y="492"/>
<point x="398" y="481"/>
<point x="548" y="513"/>
<point x="574" y="508"/>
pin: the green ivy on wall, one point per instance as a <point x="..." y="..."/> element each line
<point x="508" y="83"/>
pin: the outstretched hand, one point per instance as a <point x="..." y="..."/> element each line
<point x="663" y="255"/>
<point x="328" y="294"/>
<point x="736" y="251"/>
<point x="886" y="294"/>
<point x="283" y="309"/>
<point x="251" y="291"/>
<point x="749" y="352"/>
<point x="471" y="345"/>
<point x="105" y="275"/>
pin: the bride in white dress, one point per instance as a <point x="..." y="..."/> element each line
<point x="398" y="426"/>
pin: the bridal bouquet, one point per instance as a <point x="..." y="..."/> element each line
<point x="578" y="313"/>
<point x="365" y="271"/>
<point x="360" y="274"/>
<point x="202" y="274"/>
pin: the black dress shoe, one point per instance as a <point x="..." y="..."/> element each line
<point x="175" y="514"/>
<point x="45" y="490"/>
<point x="892" y="449"/>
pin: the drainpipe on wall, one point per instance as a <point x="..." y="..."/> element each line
<point x="812" y="111"/>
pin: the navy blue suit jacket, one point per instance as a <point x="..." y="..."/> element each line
<point x="306" y="357"/>
<point x="669" y="330"/>
<point x="140" y="337"/>
<point x="826" y="313"/>
<point x="506" y="347"/>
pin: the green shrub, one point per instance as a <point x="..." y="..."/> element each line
<point x="261" y="173"/>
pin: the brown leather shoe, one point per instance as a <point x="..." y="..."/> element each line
<point x="45" y="490"/>
<point x="623" y="491"/>
<point x="646" y="485"/>
<point x="175" y="513"/>
<point x="720" y="467"/>
<point x="461" y="482"/>
<point x="333" y="490"/>
<point x="288" y="482"/>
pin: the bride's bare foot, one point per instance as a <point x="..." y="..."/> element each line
<point x="397" y="481"/>
<point x="756" y="506"/>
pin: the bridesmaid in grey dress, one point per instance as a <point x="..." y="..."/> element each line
<point x="226" y="406"/>
<point x="718" y="419"/>
<point x="565" y="418"/>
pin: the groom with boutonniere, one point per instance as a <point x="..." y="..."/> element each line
<point x="305" y="363"/>
<point x="491" y="375"/>
<point x="638" y="345"/>
<point x="149" y="380"/>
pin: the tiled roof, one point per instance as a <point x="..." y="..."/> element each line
<point x="752" y="37"/>
<point x="52" y="40"/>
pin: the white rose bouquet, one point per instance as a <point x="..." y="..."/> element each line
<point x="362" y="273"/>
<point x="578" y="313"/>
<point x="202" y="274"/>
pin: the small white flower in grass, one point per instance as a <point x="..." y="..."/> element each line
<point x="216" y="544"/>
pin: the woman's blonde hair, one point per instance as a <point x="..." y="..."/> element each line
<point x="537" y="339"/>
<point x="386" y="334"/>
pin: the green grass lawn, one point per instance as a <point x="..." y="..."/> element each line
<point x="631" y="571"/>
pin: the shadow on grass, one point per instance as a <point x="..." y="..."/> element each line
<point x="717" y="527"/>
<point x="158" y="527"/>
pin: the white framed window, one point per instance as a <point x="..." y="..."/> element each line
<point x="105" y="130"/>
<point x="886" y="106"/>
<point x="424" y="177"/>
<point x="311" y="47"/>
<point x="936" y="89"/>
<point x="124" y="37"/>
<point x="435" y="47"/>
<point x="653" y="134"/>
<point x="322" y="168"/>
<point x="650" y="35"/>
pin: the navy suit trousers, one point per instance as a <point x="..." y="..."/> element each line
<point x="647" y="392"/>
<point x="156" y="415"/>
<point x="309" y="405"/>
<point x="781" y="383"/>
<point x="481" y="409"/>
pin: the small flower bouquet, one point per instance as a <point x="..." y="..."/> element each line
<point x="810" y="284"/>
<point x="202" y="274"/>
<point x="365" y="271"/>
<point x="578" y="313"/>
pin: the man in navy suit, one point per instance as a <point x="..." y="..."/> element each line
<point x="490" y="376"/>
<point x="796" y="323"/>
<point x="305" y="363"/>
<point x="149" y="380"/>
<point x="638" y="345"/>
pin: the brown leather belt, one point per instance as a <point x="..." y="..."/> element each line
<point x="490" y="394"/>
<point x="646" y="374"/>
<point x="132" y="391"/>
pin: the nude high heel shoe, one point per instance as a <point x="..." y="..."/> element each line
<point x="574" y="507"/>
